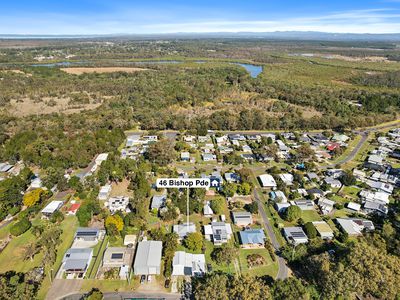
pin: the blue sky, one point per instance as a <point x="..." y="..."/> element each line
<point x="170" y="16"/>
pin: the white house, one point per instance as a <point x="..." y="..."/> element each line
<point x="188" y="264"/>
<point x="267" y="181"/>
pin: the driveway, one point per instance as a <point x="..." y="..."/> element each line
<point x="64" y="287"/>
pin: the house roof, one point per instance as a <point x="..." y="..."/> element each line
<point x="158" y="200"/>
<point x="295" y="234"/>
<point x="77" y="258"/>
<point x="148" y="254"/>
<point x="267" y="180"/>
<point x="52" y="207"/>
<point x="183" y="229"/>
<point x="188" y="264"/>
<point x="354" y="206"/>
<point x="86" y="232"/>
<point x="252" y="236"/>
<point x="322" y="227"/>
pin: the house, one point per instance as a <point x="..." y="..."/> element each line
<point x="76" y="262"/>
<point x="334" y="173"/>
<point x="51" y="208"/>
<point x="370" y="207"/>
<point x="332" y="182"/>
<point x="281" y="206"/>
<point x="278" y="196"/>
<point x="295" y="235"/>
<point x="119" y="257"/>
<point x="208" y="212"/>
<point x="104" y="193"/>
<point x="360" y="175"/>
<point x="148" y="258"/>
<point x="185" y="156"/>
<point x="73" y="209"/>
<point x="150" y="138"/>
<point x="380" y="186"/>
<point x="246" y="148"/>
<point x="252" y="238"/>
<point x="119" y="203"/>
<point x="315" y="192"/>
<point x="380" y="197"/>
<point x="312" y="176"/>
<point x="242" y="218"/>
<point x="232" y="177"/>
<point x="304" y="204"/>
<point x="375" y="159"/>
<point x="353" y="206"/>
<point x="184" y="229"/>
<point x="158" y="201"/>
<point x="218" y="232"/>
<point x="189" y="138"/>
<point x="132" y="140"/>
<point x="286" y="178"/>
<point x="36" y="183"/>
<point x="248" y="156"/>
<point x="209" y="157"/>
<point x="129" y="239"/>
<point x="100" y="158"/>
<point x="86" y="234"/>
<point x="282" y="147"/>
<point x="355" y="226"/>
<point x="326" y="205"/>
<point x="5" y="167"/>
<point x="332" y="146"/>
<point x="267" y="181"/>
<point x="340" y="138"/>
<point x="323" y="229"/>
<point x="188" y="264"/>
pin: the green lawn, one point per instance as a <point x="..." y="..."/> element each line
<point x="12" y="257"/>
<point x="270" y="268"/>
<point x="68" y="226"/>
<point x="109" y="285"/>
<point x="230" y="269"/>
<point x="310" y="216"/>
<point x="98" y="252"/>
<point x="351" y="191"/>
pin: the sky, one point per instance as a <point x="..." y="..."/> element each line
<point x="83" y="17"/>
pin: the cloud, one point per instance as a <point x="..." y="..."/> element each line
<point x="384" y="20"/>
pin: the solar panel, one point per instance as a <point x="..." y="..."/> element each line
<point x="87" y="233"/>
<point x="297" y="234"/>
<point x="117" y="255"/>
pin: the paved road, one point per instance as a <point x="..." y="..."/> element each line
<point x="283" y="270"/>
<point x="130" y="295"/>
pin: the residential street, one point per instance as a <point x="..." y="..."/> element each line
<point x="283" y="270"/>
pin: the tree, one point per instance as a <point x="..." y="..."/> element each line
<point x="348" y="179"/>
<point x="217" y="205"/>
<point x="33" y="197"/>
<point x="194" y="241"/>
<point x="94" y="294"/>
<point x="252" y="207"/>
<point x="57" y="217"/>
<point x="115" y="220"/>
<point x="229" y="189"/>
<point x="244" y="189"/>
<point x="224" y="255"/>
<point x="310" y="230"/>
<point x="161" y="152"/>
<point x="289" y="289"/>
<point x="213" y="286"/>
<point x="20" y="227"/>
<point x="249" y="288"/>
<point x="292" y="213"/>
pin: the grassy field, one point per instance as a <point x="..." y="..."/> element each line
<point x="12" y="257"/>
<point x="270" y="268"/>
<point x="224" y="268"/>
<point x="68" y="226"/>
<point x="310" y="216"/>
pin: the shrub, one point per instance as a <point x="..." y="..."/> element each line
<point x="292" y="213"/>
<point x="310" y="230"/>
<point x="20" y="227"/>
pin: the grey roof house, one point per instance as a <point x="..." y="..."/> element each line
<point x="252" y="238"/>
<point x="77" y="260"/>
<point x="148" y="258"/>
<point x="242" y="218"/>
<point x="158" y="201"/>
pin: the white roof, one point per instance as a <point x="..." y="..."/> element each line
<point x="101" y="157"/>
<point x="354" y="206"/>
<point x="286" y="178"/>
<point x="349" y="226"/>
<point x="52" y="207"/>
<point x="267" y="180"/>
<point x="188" y="263"/>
